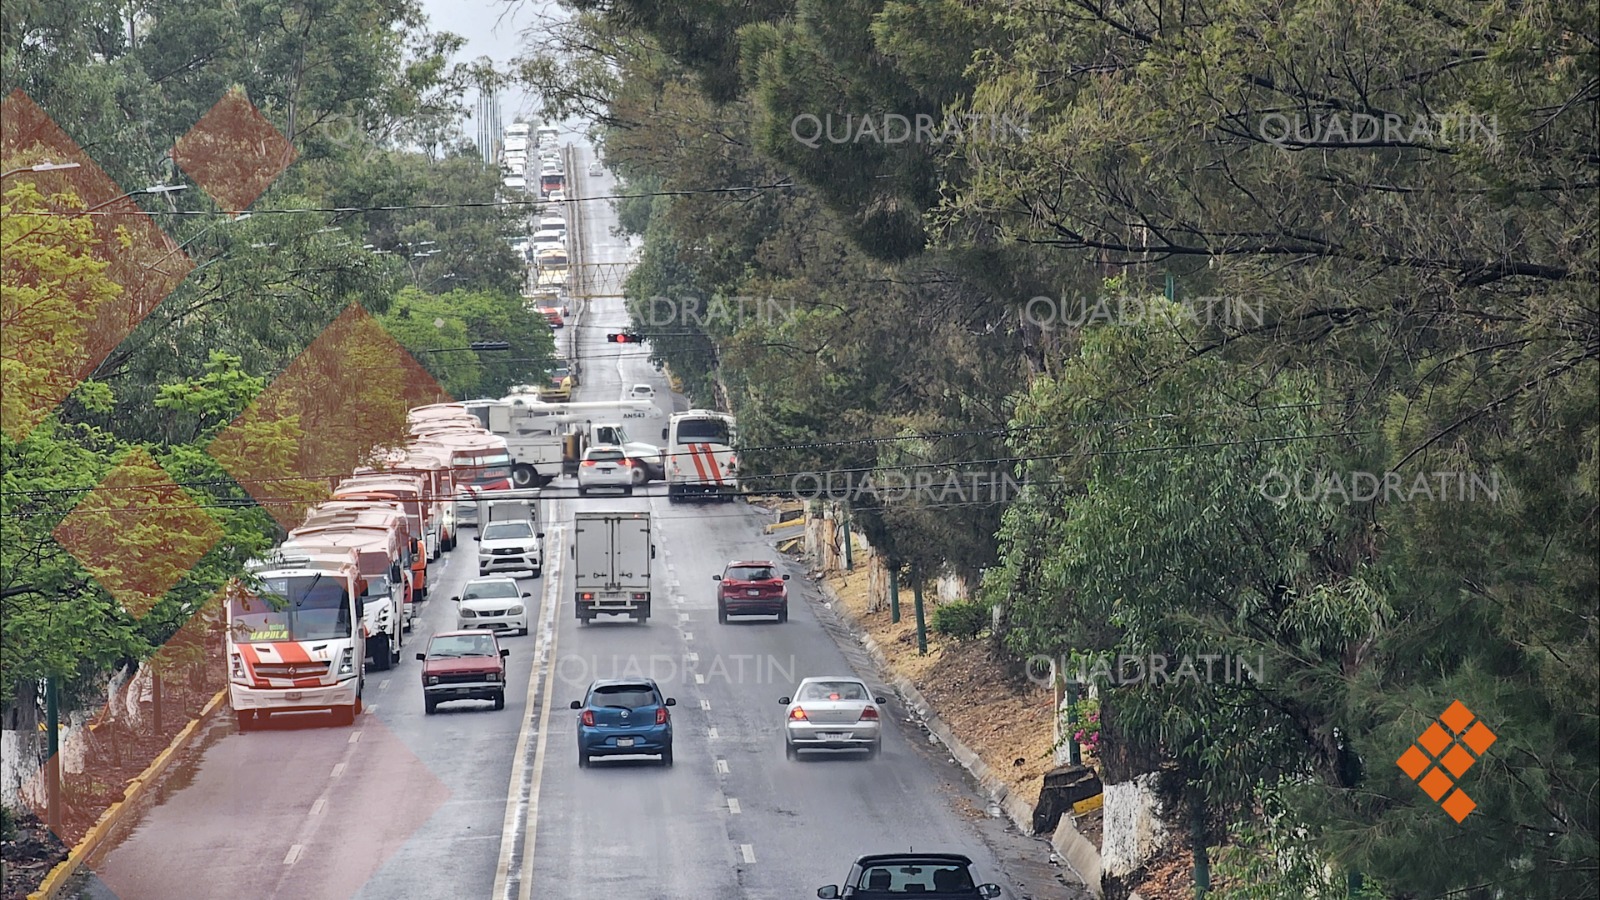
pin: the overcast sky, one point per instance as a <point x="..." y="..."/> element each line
<point x="492" y="28"/>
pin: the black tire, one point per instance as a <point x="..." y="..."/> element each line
<point x="789" y="751"/>
<point x="383" y="657"/>
<point x="783" y="615"/>
<point x="522" y="476"/>
<point x="538" y="573"/>
<point x="583" y="492"/>
<point x="429" y="705"/>
<point x="246" y="719"/>
<point x="722" y="614"/>
<point x="666" y="758"/>
<point x="583" y="759"/>
<point x="500" y="700"/>
<point x="482" y="571"/>
<point x="640" y="476"/>
<point x="627" y="491"/>
<point x="872" y="752"/>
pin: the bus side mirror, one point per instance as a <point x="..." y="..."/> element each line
<point x="652" y="551"/>
<point x="663" y="434"/>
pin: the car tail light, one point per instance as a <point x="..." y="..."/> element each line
<point x="588" y="462"/>
<point x="625" y="462"/>
<point x="638" y="596"/>
<point x="799" y="715"/>
<point x="870" y="714"/>
<point x="588" y="717"/>
<point x="587" y="596"/>
<point x="661" y="715"/>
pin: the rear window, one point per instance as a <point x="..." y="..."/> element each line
<point x="624" y="696"/>
<point x="916" y="879"/>
<point x="751" y="573"/>
<point x="834" y="690"/>
<point x="605" y="455"/>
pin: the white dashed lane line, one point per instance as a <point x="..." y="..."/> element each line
<point x="338" y="770"/>
<point x="748" y="851"/>
<point x="733" y="806"/>
<point x="317" y="807"/>
<point x="722" y="767"/>
<point x="294" y="854"/>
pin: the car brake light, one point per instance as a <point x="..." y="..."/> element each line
<point x="625" y="462"/>
<point x="661" y="715"/>
<point x="638" y="596"/>
<point x="588" y="462"/>
<point x="870" y="714"/>
<point x="588" y="717"/>
<point x="588" y="596"/>
<point x="798" y="715"/>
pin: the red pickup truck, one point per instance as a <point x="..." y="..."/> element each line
<point x="463" y="665"/>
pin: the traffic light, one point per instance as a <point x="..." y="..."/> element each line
<point x="624" y="338"/>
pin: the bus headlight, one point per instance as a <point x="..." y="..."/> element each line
<point x="238" y="667"/>
<point x="347" y="664"/>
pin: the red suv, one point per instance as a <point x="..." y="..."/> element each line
<point x="463" y="665"/>
<point x="752" y="588"/>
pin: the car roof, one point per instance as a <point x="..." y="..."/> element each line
<point x="620" y="682"/>
<point x="609" y="448"/>
<point x="752" y="563"/>
<point x="488" y="579"/>
<point x="464" y="631"/>
<point x="850" y="678"/>
<point x="879" y="859"/>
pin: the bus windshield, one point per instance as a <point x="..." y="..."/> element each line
<point x="292" y="608"/>
<point x="704" y="431"/>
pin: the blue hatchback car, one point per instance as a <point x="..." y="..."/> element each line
<point x="624" y="717"/>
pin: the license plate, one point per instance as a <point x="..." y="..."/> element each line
<point x="624" y="742"/>
<point x="753" y="593"/>
<point x="292" y="695"/>
<point x="606" y="470"/>
<point x="833" y="736"/>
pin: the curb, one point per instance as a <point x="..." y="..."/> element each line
<point x="51" y="887"/>
<point x="1015" y="808"/>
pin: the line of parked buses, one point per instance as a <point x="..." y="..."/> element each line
<point x="341" y="592"/>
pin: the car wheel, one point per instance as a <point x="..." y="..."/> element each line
<point x="789" y="751"/>
<point x="639" y="475"/>
<point x="247" y="720"/>
<point x="538" y="572"/>
<point x="583" y="759"/>
<point x="482" y="571"/>
<point x="872" y="751"/>
<point x="722" y="614"/>
<point x="430" y="704"/>
<point x="500" y="700"/>
<point x="583" y="492"/>
<point x="627" y="491"/>
<point x="383" y="659"/>
<point x="783" y="615"/>
<point x="666" y="758"/>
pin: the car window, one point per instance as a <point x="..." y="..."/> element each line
<point x="833" y="690"/>
<point x="751" y="573"/>
<point x="457" y="645"/>
<point x="501" y="530"/>
<point x="911" y="880"/>
<point x="490" y="589"/>
<point x="623" y="696"/>
<point x="605" y="455"/>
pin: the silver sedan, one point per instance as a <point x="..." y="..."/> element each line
<point x="833" y="712"/>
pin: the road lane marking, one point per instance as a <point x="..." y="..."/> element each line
<point x="317" y="807"/>
<point x="383" y="685"/>
<point x="713" y="734"/>
<point x="527" y="769"/>
<point x="694" y="657"/>
<point x="749" y="852"/>
<point x="733" y="806"/>
<point x="705" y="704"/>
<point x="683" y="617"/>
<point x="355" y="736"/>
<point x="367" y="708"/>
<point x="700" y="679"/>
<point x="294" y="854"/>
<point x="722" y="767"/>
<point x="689" y="636"/>
<point x="338" y="769"/>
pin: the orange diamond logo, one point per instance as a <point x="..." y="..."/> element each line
<point x="233" y="152"/>
<point x="137" y="533"/>
<point x="344" y="401"/>
<point x="1456" y="750"/>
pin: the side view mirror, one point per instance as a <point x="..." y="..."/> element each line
<point x="476" y="539"/>
<point x="422" y="656"/>
<point x="663" y="434"/>
<point x="831" y="892"/>
<point x="455" y="599"/>
<point x="572" y="552"/>
<point x="716" y="578"/>
<point x="784" y="700"/>
<point x="652" y="551"/>
<point x="989" y="891"/>
<point x="504" y="653"/>
<point x="879" y="700"/>
<point x="671" y="702"/>
<point x="785" y="578"/>
<point x="540" y="535"/>
<point x="577" y="704"/>
<point x="527" y="593"/>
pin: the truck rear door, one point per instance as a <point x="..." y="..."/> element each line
<point x="632" y="542"/>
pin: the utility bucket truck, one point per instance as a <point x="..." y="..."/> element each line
<point x="293" y="637"/>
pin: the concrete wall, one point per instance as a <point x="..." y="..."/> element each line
<point x="1133" y="831"/>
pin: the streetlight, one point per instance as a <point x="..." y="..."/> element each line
<point x="40" y="167"/>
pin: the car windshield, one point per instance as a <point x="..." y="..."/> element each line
<point x="623" y="696"/>
<point x="450" y="646"/>
<point x="833" y="690"/>
<point x="750" y="573"/>
<point x="710" y="431"/>
<point x="500" y="531"/>
<point x="911" y="880"/>
<point x="292" y="608"/>
<point x="489" y="589"/>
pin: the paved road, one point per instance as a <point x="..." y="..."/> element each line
<point x="472" y="802"/>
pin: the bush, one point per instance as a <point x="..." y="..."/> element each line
<point x="962" y="620"/>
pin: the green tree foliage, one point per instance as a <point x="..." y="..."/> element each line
<point x="422" y="321"/>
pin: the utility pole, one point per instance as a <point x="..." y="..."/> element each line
<point x="894" y="590"/>
<point x="922" y="624"/>
<point x="849" y="556"/>
<point x="52" y="715"/>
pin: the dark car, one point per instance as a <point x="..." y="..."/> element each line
<point x="463" y="665"/>
<point x="752" y="588"/>
<point x="930" y="876"/>
<point x="624" y="717"/>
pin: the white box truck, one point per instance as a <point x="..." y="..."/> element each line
<point x="612" y="553"/>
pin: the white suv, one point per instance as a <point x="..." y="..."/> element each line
<point x="511" y="546"/>
<point x="605" y="466"/>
